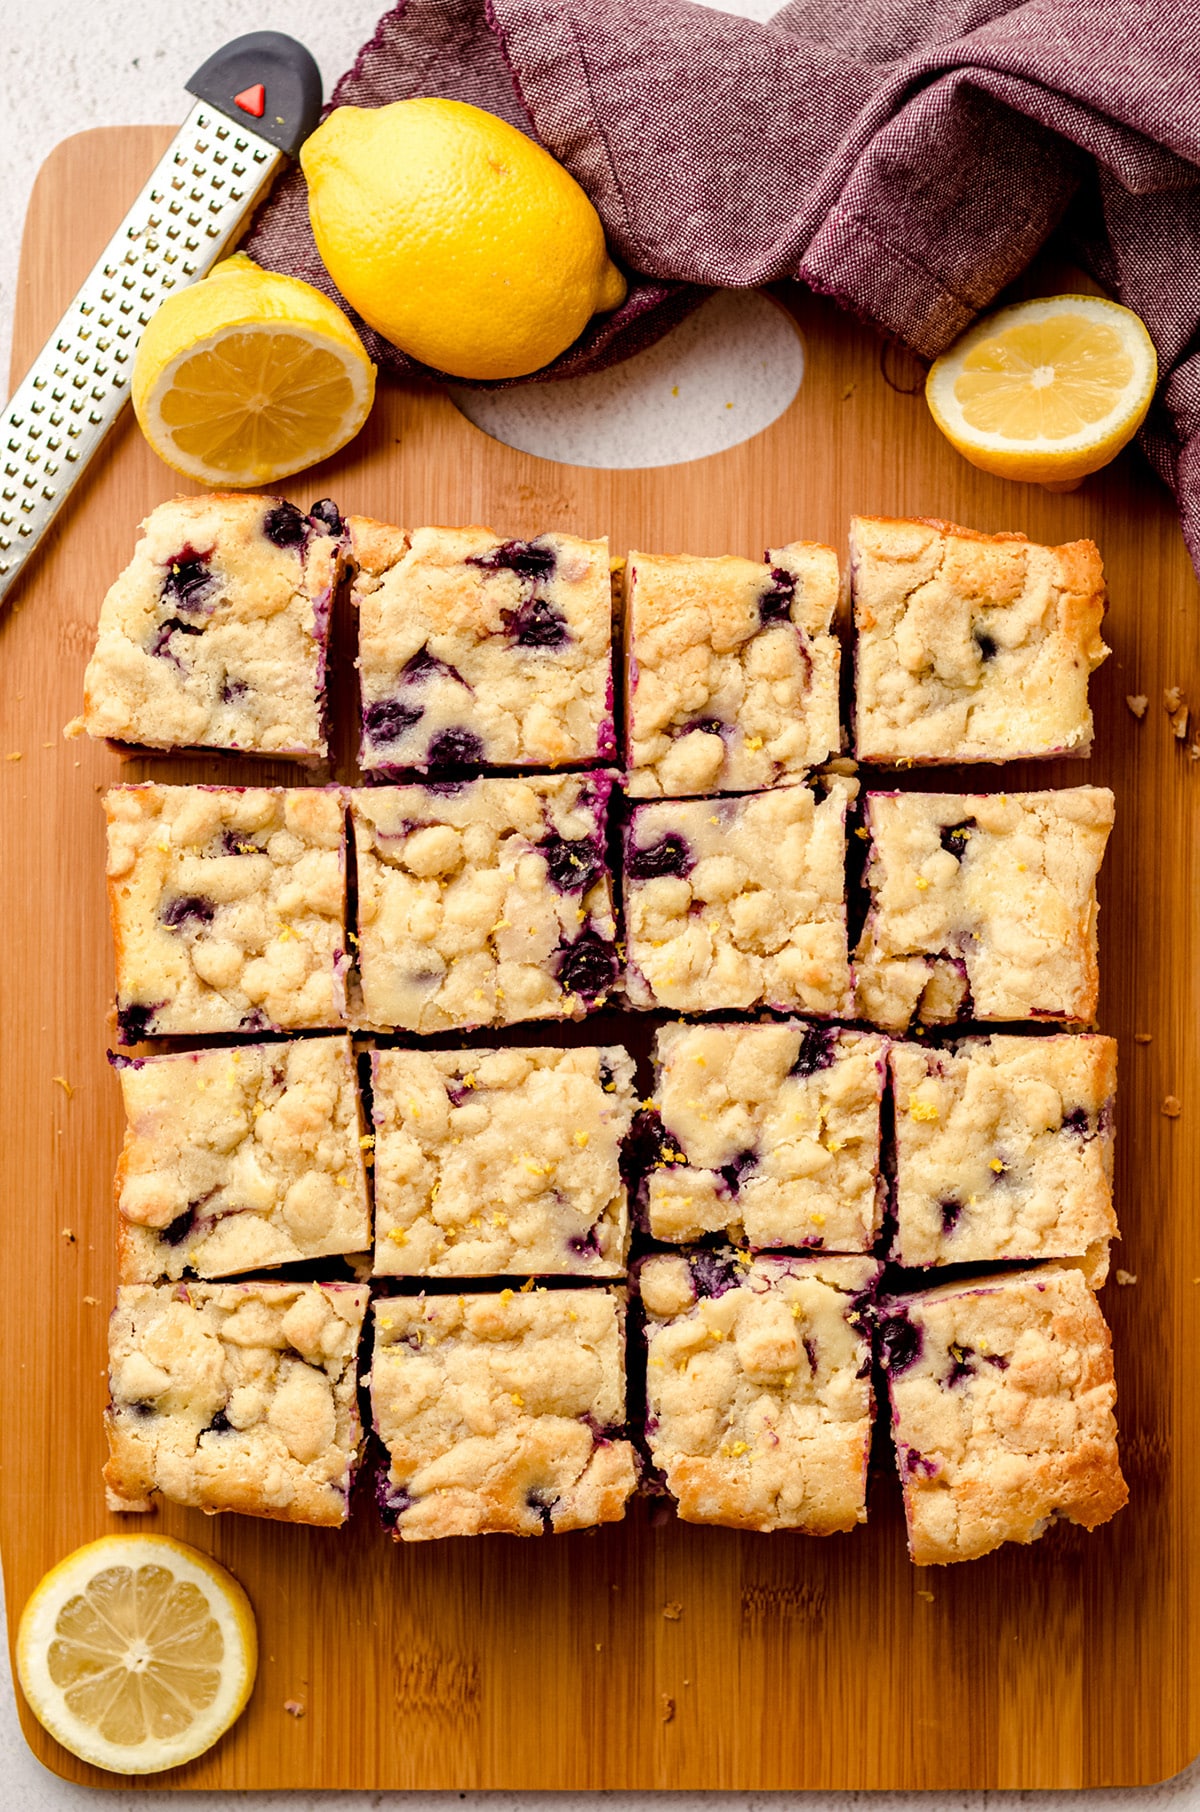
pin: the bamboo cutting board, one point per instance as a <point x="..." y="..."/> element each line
<point x="541" y="1664"/>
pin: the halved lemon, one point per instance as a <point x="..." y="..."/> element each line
<point x="248" y="376"/>
<point x="137" y="1652"/>
<point x="1045" y="391"/>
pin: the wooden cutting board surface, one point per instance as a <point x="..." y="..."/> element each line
<point x="499" y="1663"/>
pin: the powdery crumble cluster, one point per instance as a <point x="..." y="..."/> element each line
<point x="783" y="1157"/>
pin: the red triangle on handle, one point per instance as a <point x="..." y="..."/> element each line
<point x="252" y="100"/>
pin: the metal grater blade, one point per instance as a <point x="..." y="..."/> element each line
<point x="194" y="203"/>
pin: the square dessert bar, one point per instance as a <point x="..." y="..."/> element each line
<point x="501" y="1414"/>
<point x="983" y="906"/>
<point x="484" y="902"/>
<point x="758" y="1388"/>
<point x="477" y="652"/>
<point x="971" y="647"/>
<point x="1004" y="1149"/>
<point x="739" y="902"/>
<point x="767" y="1132"/>
<point x="215" y="635"/>
<point x="489" y="1162"/>
<point x="732" y="681"/>
<point x="228" y="907"/>
<point x="240" y="1158"/>
<point x="235" y="1397"/>
<point x="1002" y="1400"/>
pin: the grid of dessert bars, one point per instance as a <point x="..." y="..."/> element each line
<point x="873" y="1066"/>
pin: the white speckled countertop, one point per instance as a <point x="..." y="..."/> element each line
<point x="66" y="67"/>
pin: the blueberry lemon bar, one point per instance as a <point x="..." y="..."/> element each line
<point x="235" y="1397"/>
<point x="1004" y="1149"/>
<point x="740" y="902"/>
<point x="215" y="635"/>
<point x="983" y="906"/>
<point x="484" y="902"/>
<point x="732" y="677"/>
<point x="972" y="647"/>
<point x="1002" y="1400"/>
<point x="228" y="907"/>
<point x="240" y="1158"/>
<point x="478" y="652"/>
<point x="501" y="1414"/>
<point x="491" y="1161"/>
<point x="769" y="1133"/>
<point x="758" y="1388"/>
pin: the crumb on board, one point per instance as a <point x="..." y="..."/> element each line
<point x="1172" y="699"/>
<point x="1126" y="1277"/>
<point x="294" y="1708"/>
<point x="1138" y="703"/>
<point x="93" y="1302"/>
<point x="673" y="1611"/>
<point x="14" y="755"/>
<point x="1179" y="723"/>
<point x="68" y="1235"/>
<point x="1194" y="751"/>
<point x="668" y="1708"/>
<point x="1171" y="1107"/>
<point x="1142" y="1037"/>
<point x="927" y="1596"/>
<point x="65" y="1086"/>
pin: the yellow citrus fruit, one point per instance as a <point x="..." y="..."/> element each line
<point x="137" y="1652"/>
<point x="455" y="236"/>
<point x="247" y="376"/>
<point x="1045" y="391"/>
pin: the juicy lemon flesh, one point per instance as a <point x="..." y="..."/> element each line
<point x="1044" y="380"/>
<point x="258" y="399"/>
<point x="137" y="1654"/>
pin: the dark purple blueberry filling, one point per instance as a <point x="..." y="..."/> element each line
<point x="950" y="1211"/>
<point x="669" y="856"/>
<point x="899" y="1343"/>
<point x="284" y="525"/>
<point x="816" y="1050"/>
<point x="574" y="862"/>
<point x="186" y="909"/>
<point x="608" y="1081"/>
<point x="584" y="1245"/>
<point x="713" y="1273"/>
<point x="220" y="1424"/>
<point x="458" y="1093"/>
<point x="393" y="1500"/>
<point x="986" y="644"/>
<point x="161" y="645"/>
<point x="254" y="1021"/>
<point x="954" y="838"/>
<point x="648" y="1146"/>
<point x="455" y="749"/>
<point x="232" y="690"/>
<point x="1077" y="1121"/>
<point x="996" y="1359"/>
<point x="775" y="604"/>
<point x="543" y="1503"/>
<point x="134" y="1023"/>
<point x="810" y="1353"/>
<point x="189" y="581"/>
<point x="325" y="515"/>
<point x="176" y="1231"/>
<point x="528" y="559"/>
<point x="709" y="726"/>
<point x="239" y="843"/>
<point x="733" y="1173"/>
<point x="536" y="624"/>
<point x="588" y="967"/>
<point x="913" y="1464"/>
<point x="141" y="1408"/>
<point x="603" y="1434"/>
<point x="386" y="720"/>
<point x="423" y="666"/>
<point x="960" y="1365"/>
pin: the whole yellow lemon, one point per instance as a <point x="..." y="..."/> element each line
<point x="455" y="236"/>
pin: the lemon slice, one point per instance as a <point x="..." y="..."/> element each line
<point x="249" y="376"/>
<point x="137" y="1652"/>
<point x="1045" y="391"/>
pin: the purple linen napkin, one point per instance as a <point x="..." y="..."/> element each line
<point x="905" y="157"/>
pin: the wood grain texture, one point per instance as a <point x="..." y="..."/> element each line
<point x="495" y="1663"/>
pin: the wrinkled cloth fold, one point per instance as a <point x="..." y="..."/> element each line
<point x="906" y="158"/>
